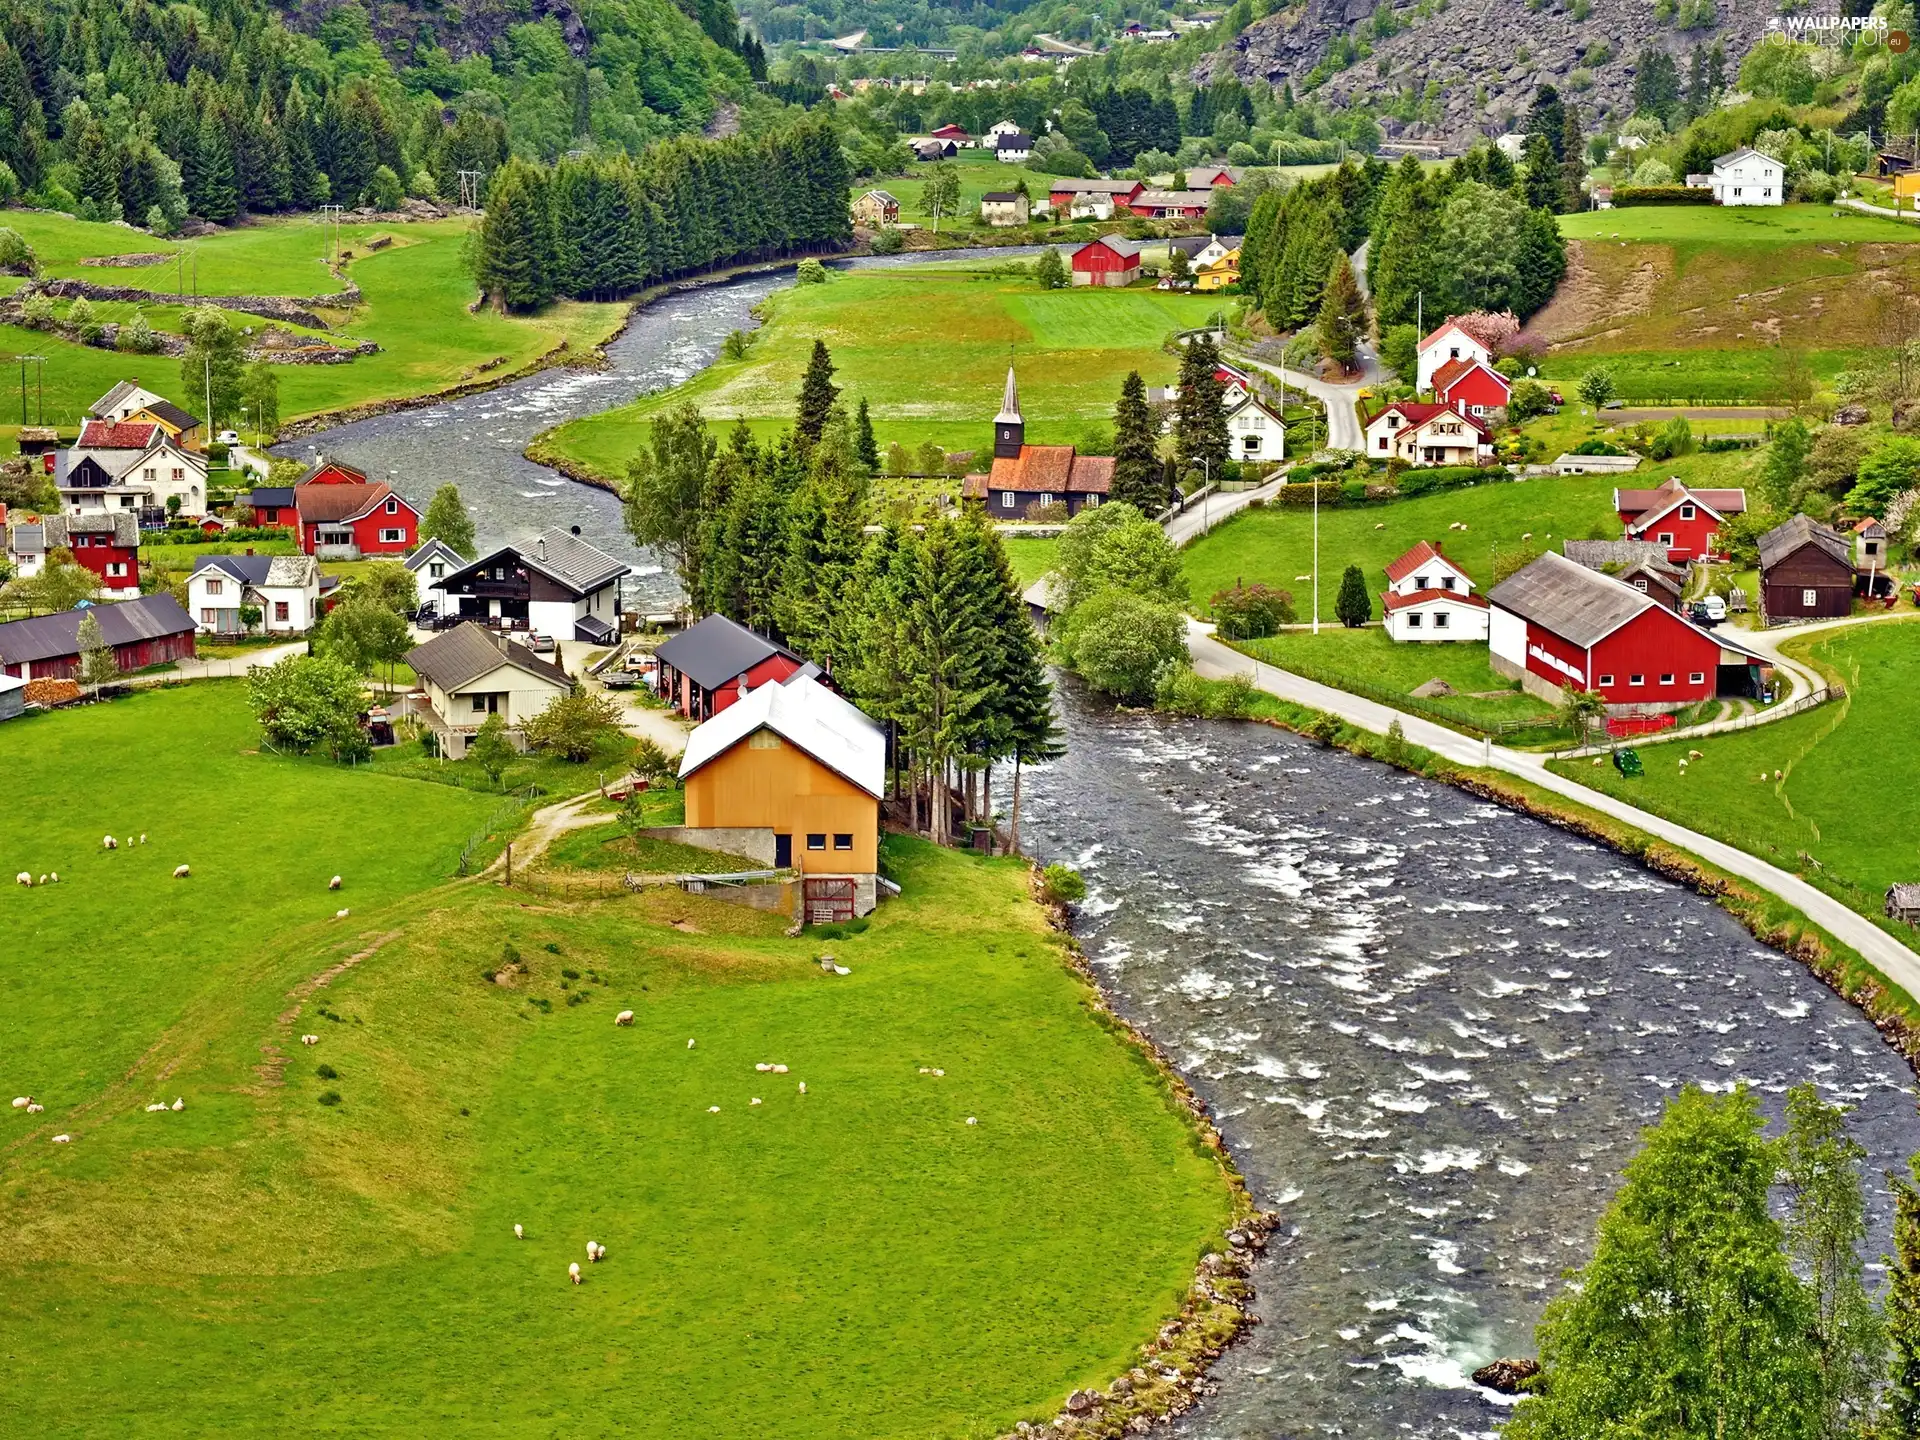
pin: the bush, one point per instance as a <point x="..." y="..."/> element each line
<point x="1528" y="400"/>
<point x="1119" y="642"/>
<point x="326" y="1072"/>
<point x="810" y="272"/>
<point x="1431" y="479"/>
<point x="384" y="191"/>
<point x="1062" y="885"/>
<point x="330" y="1097"/>
<point x="889" y="242"/>
<point x="16" y="255"/>
<point x="1598" y="446"/>
<point x="1252" y="612"/>
<point x="37" y="312"/>
<point x="1625" y="195"/>
<point x="136" y="336"/>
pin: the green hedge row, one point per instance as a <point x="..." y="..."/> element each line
<point x="1624" y="195"/>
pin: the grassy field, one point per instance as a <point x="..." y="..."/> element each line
<point x="324" y="1237"/>
<point x="1030" y="558"/>
<point x="980" y="172"/>
<point x="1073" y="348"/>
<point x="1365" y="658"/>
<point x="1843" y="813"/>
<point x="415" y="295"/>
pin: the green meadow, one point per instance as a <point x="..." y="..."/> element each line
<point x="322" y="1239"/>
<point x="927" y="348"/>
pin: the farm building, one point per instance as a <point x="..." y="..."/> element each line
<point x="287" y="590"/>
<point x="1012" y="149"/>
<point x="1639" y="563"/>
<point x="272" y="505"/>
<point x="13" y="697"/>
<point x="1110" y="260"/>
<point x="1098" y="199"/>
<point x="1556" y="623"/>
<point x="710" y="665"/>
<point x="557" y="585"/>
<point x="1903" y="903"/>
<point x="152" y="630"/>
<point x="1256" y="432"/>
<point x="1748" y="177"/>
<point x="1172" y="204"/>
<point x="1024" y="476"/>
<point x="876" y="208"/>
<point x="348" y="520"/>
<point x="1429" y="598"/>
<point x="1445" y="346"/>
<point x="1004" y="208"/>
<point x="107" y="542"/>
<point x="1683" y="521"/>
<point x="1473" y="387"/>
<point x="1806" y="572"/>
<point x="469" y="674"/>
<point x="793" y="758"/>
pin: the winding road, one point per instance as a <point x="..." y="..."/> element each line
<point x="1343" y="426"/>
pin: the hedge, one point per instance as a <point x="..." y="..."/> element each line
<point x="1429" y="479"/>
<point x="1624" y="195"/>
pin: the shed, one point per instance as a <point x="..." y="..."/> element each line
<point x="711" y="664"/>
<point x="13" y="696"/>
<point x="1806" y="572"/>
<point x="1903" y="903"/>
<point x="152" y="630"/>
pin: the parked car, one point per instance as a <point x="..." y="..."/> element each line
<point x="1716" y="608"/>
<point x="540" y="644"/>
<point x="228" y="437"/>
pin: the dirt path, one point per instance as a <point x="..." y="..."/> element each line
<point x="544" y="827"/>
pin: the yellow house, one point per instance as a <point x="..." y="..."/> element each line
<point x="795" y="759"/>
<point x="1220" y="273"/>
<point x="1907" y="187"/>
<point x="183" y="429"/>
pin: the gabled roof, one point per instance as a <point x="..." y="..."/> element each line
<point x="117" y="396"/>
<point x="117" y="435"/>
<point x="716" y="650"/>
<point x="807" y="716"/>
<point x="1249" y="400"/>
<point x="434" y="548"/>
<point x="1015" y="141"/>
<point x="171" y="413"/>
<point x="336" y="504"/>
<point x="1001" y="197"/>
<point x="1420" y="554"/>
<point x="278" y="572"/>
<point x="1071" y="185"/>
<point x="28" y="537"/>
<point x="1453" y="370"/>
<point x="1453" y="327"/>
<point x="1647" y="506"/>
<point x="1394" y="600"/>
<point x="1051" y="469"/>
<point x="245" y="569"/>
<point x="122" y="525"/>
<point x="561" y="556"/>
<point x="1626" y="554"/>
<point x="50" y="637"/>
<point x="1175" y="199"/>
<point x="271" y="497"/>
<point x="1417" y="413"/>
<point x="1579" y="605"/>
<point x="459" y="656"/>
<point x="880" y="195"/>
<point x="1734" y="157"/>
<point x="1798" y="533"/>
<point x="1126" y="249"/>
<point x="1869" y="527"/>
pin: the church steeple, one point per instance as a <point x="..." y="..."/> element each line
<point x="1009" y="430"/>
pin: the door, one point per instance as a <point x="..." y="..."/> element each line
<point x="782" y="851"/>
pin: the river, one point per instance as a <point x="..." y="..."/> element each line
<point x="1430" y="1028"/>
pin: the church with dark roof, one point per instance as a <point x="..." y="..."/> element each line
<point x="1025" y="476"/>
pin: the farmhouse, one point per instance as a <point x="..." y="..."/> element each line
<point x="876" y="208"/>
<point x="430" y="565"/>
<point x="469" y="673"/>
<point x="288" y="590"/>
<point x="1684" y="521"/>
<point x="1806" y="572"/>
<point x="1219" y="272"/>
<point x="1172" y="204"/>
<point x="1257" y="432"/>
<point x="180" y="427"/>
<point x="1639" y="563"/>
<point x="1002" y="208"/>
<point x="955" y="133"/>
<point x="710" y="665"/>
<point x="1471" y="386"/>
<point x="1098" y="199"/>
<point x="272" y="505"/>
<point x="1557" y="623"/>
<point x="795" y="759"/>
<point x="925" y="148"/>
<point x="152" y="630"/>
<point x="347" y="520"/>
<point x="1423" y="434"/>
<point x="1025" y="476"/>
<point x="1445" y="345"/>
<point x="114" y="443"/>
<point x="124" y="401"/>
<point x="1210" y="177"/>
<point x="1110" y="260"/>
<point x="27" y="547"/>
<point x="105" y="542"/>
<point x="1748" y="177"/>
<point x="558" y="585"/>
<point x="1429" y="598"/>
<point x="1012" y="149"/>
<point x="137" y="468"/>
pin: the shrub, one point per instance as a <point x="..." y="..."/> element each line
<point x="737" y="344"/>
<point x="37" y="312"/>
<point x="330" y="1097"/>
<point x="1252" y="612"/>
<point x="326" y="1072"/>
<point x="16" y="255"/>
<point x="1625" y="195"/>
<point x="1431" y="479"/>
<point x="136" y="337"/>
<point x="384" y="191"/>
<point x="1529" y="400"/>
<point x="1118" y="642"/>
<point x="1597" y="446"/>
<point x="572" y="726"/>
<point x="889" y="242"/>
<point x="1324" y="727"/>
<point x="810" y="272"/>
<point x="1062" y="885"/>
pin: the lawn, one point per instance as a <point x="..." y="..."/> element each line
<point x="1030" y="558"/>
<point x="1843" y="814"/>
<point x="1073" y="348"/>
<point x="980" y="172"/>
<point x="607" y="848"/>
<point x="854" y="1261"/>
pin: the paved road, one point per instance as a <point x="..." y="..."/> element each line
<point x="1893" y="959"/>
<point x="1865" y="209"/>
<point x="1343" y="426"/>
<point x="1196" y="520"/>
<point x="230" y="669"/>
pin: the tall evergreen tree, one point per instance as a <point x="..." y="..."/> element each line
<point x="448" y="522"/>
<point x="1343" y="317"/>
<point x="514" y="260"/>
<point x="1543" y="190"/>
<point x="817" y="394"/>
<point x="1573" y="164"/>
<point x="215" y="196"/>
<point x="864" y="444"/>
<point x="1200" y="415"/>
<point x="1136" y="451"/>
<point x="98" y="164"/>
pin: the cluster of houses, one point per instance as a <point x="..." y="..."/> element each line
<point x="1068" y="198"/>
<point x="1740" y="177"/>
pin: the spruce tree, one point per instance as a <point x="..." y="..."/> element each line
<point x="514" y="264"/>
<point x="305" y="183"/>
<point x="817" y="394"/>
<point x="1543" y="185"/>
<point x="1200" y="415"/>
<point x="216" y="198"/>
<point x="864" y="444"/>
<point x="1136" y="450"/>
<point x="1343" y="317"/>
<point x="1573" y="165"/>
<point x="1353" y="606"/>
<point x="98" y="164"/>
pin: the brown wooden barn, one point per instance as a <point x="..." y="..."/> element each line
<point x="1806" y="572"/>
<point x="149" y="631"/>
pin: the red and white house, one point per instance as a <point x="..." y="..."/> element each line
<point x="1557" y="623"/>
<point x="1429" y="598"/>
<point x="1110" y="260"/>
<point x="1098" y="198"/>
<point x="1686" y="522"/>
<point x="1425" y="434"/>
<point x="712" y="663"/>
<point x="1472" y="387"/>
<point x="1208" y="177"/>
<point x="956" y="133"/>
<point x="332" y="472"/>
<point x="340" y="520"/>
<point x="107" y="542"/>
<point x="1444" y="346"/>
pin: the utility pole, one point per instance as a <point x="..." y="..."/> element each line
<point x="470" y="188"/>
<point x="1316" y="538"/>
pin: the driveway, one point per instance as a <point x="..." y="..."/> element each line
<point x="1343" y="426"/>
<point x="1896" y="961"/>
<point x="232" y="668"/>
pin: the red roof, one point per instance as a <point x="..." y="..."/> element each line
<point x="116" y="435"/>
<point x="332" y="472"/>
<point x="1044" y="470"/>
<point x="1453" y="370"/>
<point x="1455" y="327"/>
<point x="1656" y="502"/>
<point x="1393" y="600"/>
<point x="1426" y="550"/>
<point x="337" y="503"/>
<point x="1418" y="412"/>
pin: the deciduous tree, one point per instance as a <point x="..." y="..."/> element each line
<point x="448" y="522"/>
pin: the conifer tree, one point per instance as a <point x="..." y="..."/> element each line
<point x="1543" y="185"/>
<point x="1343" y="317"/>
<point x="943" y="664"/>
<point x="215" y="197"/>
<point x="864" y="444"/>
<point x="817" y="394"/>
<point x="99" y="171"/>
<point x="1200" y="415"/>
<point x="1137" y="476"/>
<point x="305" y="183"/>
<point x="1353" y="605"/>
<point x="514" y="264"/>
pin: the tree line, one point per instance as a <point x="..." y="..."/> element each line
<point x="598" y="227"/>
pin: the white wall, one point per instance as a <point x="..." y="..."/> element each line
<point x="1464" y="622"/>
<point x="1507" y="637"/>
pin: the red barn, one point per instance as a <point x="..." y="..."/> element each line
<point x="1684" y="521"/>
<point x="341" y="521"/>
<point x="1110" y="260"/>
<point x="272" y="505"/>
<point x="149" y="631"/>
<point x="1557" y="623"/>
<point x="107" y="542"/>
<point x="956" y="133"/>
<point x="1471" y="386"/>
<point x="708" y="666"/>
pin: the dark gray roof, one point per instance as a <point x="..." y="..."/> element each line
<point x="562" y="557"/>
<point x="1797" y="533"/>
<point x="463" y="654"/>
<point x="122" y="525"/>
<point x="247" y="569"/>
<point x="1013" y="142"/>
<point x="271" y="497"/>
<point x="717" y="650"/>
<point x="999" y="197"/>
<point x="49" y="637"/>
<point x="1626" y="554"/>
<point x="433" y="548"/>
<point x="1579" y="605"/>
<point x="173" y="414"/>
<point x="27" y="538"/>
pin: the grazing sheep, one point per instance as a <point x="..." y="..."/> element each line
<point x="803" y="1087"/>
<point x="25" y="879"/>
<point x="20" y="1102"/>
<point x="1779" y="774"/>
<point x="309" y="1039"/>
<point x="53" y="877"/>
<point x="972" y="1121"/>
<point x="593" y="1249"/>
<point x="689" y="1044"/>
<point x="178" y="1103"/>
<point x="763" y="1067"/>
<point x="157" y="1105"/>
<point x="181" y="872"/>
<point x="599" y="1251"/>
<point x="1527" y="536"/>
<point x="713" y="1109"/>
<point x="63" y="1139"/>
<point x="573" y="1272"/>
<point x="1763" y="775"/>
<point x="625" y="1017"/>
<point x="334" y="883"/>
<point x="107" y="842"/>
<point x="43" y="879"/>
<point x="143" y="837"/>
<point x="754" y="1101"/>
<point x="779" y="1069"/>
<point x="35" y="1108"/>
<point x="518" y="1233"/>
<point x="1381" y="526"/>
<point x="1695" y="755"/>
<point x="341" y="914"/>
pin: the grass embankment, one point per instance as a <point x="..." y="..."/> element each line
<point x="1842" y="815"/>
<point x="1685" y="302"/>
<point x="415" y="293"/>
<point x="927" y="348"/>
<point x="855" y="1261"/>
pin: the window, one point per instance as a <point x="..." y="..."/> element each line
<point x="150" y="474"/>
<point x="1446" y="582"/>
<point x="1667" y="679"/>
<point x="1698" y="677"/>
<point x="1641" y="586"/>
<point x="393" y="537"/>
<point x="1383" y="442"/>
<point x="843" y="842"/>
<point x="1478" y="409"/>
<point x="1736" y="192"/>
<point x="1442" y="620"/>
<point x="1686" y="512"/>
<point x="1636" y="679"/>
<point x="1046" y="497"/>
<point x="436" y="570"/>
<point x="764" y="740"/>
<point x="393" y="507"/>
<point x="280" y="610"/>
<point x="1666" y="538"/>
<point x="1419" y="582"/>
<point x="1872" y="548"/>
<point x="273" y="515"/>
<point x="1604" y="681"/>
<point x="479" y="704"/>
<point x="179" y="475"/>
<point x="816" y="842"/>
<point x="1092" y="500"/>
<point x="1006" y="499"/>
<point x="1413" y="622"/>
<point x="216" y="587"/>
<point x="1809" y="598"/>
<point x="116" y="568"/>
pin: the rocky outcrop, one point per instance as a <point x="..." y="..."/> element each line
<point x="268" y="307"/>
<point x="1484" y="58"/>
<point x="1508" y="1377"/>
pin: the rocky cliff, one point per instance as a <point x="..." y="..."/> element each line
<point x="1484" y="58"/>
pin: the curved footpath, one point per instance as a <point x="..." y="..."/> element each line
<point x="1892" y="959"/>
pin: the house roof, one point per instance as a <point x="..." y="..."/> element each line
<point x="1626" y="554"/>
<point x="119" y="394"/>
<point x="172" y="414"/>
<point x="1052" y="469"/>
<point x="880" y="195"/>
<point x="1579" y="605"/>
<point x="716" y="650"/>
<point x="1189" y="245"/>
<point x="1119" y="245"/>
<point x="290" y="572"/>
<point x="1251" y="400"/>
<point x="1453" y="327"/>
<point x="1000" y="197"/>
<point x="1175" y="199"/>
<point x="457" y="657"/>
<point x="271" y="497"/>
<point x="1798" y="533"/>
<point x="1733" y="157"/>
<point x="433" y="548"/>
<point x="1453" y="370"/>
<point x="1420" y="554"/>
<point x="565" y="558"/>
<point x="332" y="504"/>
<point x="1869" y="526"/>
<point x="51" y="637"/>
<point x="116" y="435"/>
<point x="808" y="716"/>
<point x="122" y="525"/>
<point x="1417" y="413"/>
<point x="1394" y="600"/>
<point x="1070" y="185"/>
<point x="1650" y="505"/>
<point x="28" y="537"/>
<point x="1015" y="141"/>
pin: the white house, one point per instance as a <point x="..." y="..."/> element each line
<point x="1003" y="208"/>
<point x="556" y="585"/>
<point x="1513" y="146"/>
<point x="429" y="565"/>
<point x="106" y="475"/>
<point x="287" y="590"/>
<point x="1748" y="177"/>
<point x="1090" y="205"/>
<point x="27" y="548"/>
<point x="124" y="401"/>
<point x="1423" y="434"/>
<point x="1013" y="149"/>
<point x="999" y="128"/>
<point x="1445" y="345"/>
<point x="1258" y="433"/>
<point x="469" y="673"/>
<point x="1429" y="598"/>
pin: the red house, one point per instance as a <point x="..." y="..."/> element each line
<point x="1684" y="521"/>
<point x="1208" y="177"/>
<point x="107" y="542"/>
<point x="149" y="631"/>
<point x="1471" y="386"/>
<point x="332" y="472"/>
<point x="340" y="520"/>
<point x="1110" y="260"/>
<point x="1557" y="623"/>
<point x="709" y="665"/>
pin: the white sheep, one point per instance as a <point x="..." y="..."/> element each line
<point x="518" y="1233"/>
<point x="713" y="1109"/>
<point x="1779" y="774"/>
<point x="178" y="1103"/>
<point x="593" y="1251"/>
<point x="63" y="1139"/>
<point x="43" y="879"/>
<point x="1527" y="536"/>
<point x="972" y="1121"/>
<point x="599" y="1251"/>
<point x="181" y="872"/>
<point x="157" y="1105"/>
<point x="20" y="1102"/>
<point x="573" y="1272"/>
<point x="1381" y="526"/>
<point x="23" y="878"/>
<point x="754" y="1101"/>
<point x="341" y="914"/>
<point x="625" y="1017"/>
<point x="841" y="970"/>
<point x="35" y="1108"/>
<point x="334" y="883"/>
<point x="143" y="837"/>
<point x="689" y="1044"/>
<point x="53" y="877"/>
<point x="309" y="1039"/>
<point x="803" y="1087"/>
<point x="779" y="1069"/>
<point x="107" y="842"/>
<point x="1695" y="755"/>
<point x="763" y="1067"/>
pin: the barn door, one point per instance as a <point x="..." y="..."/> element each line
<point x="829" y="900"/>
